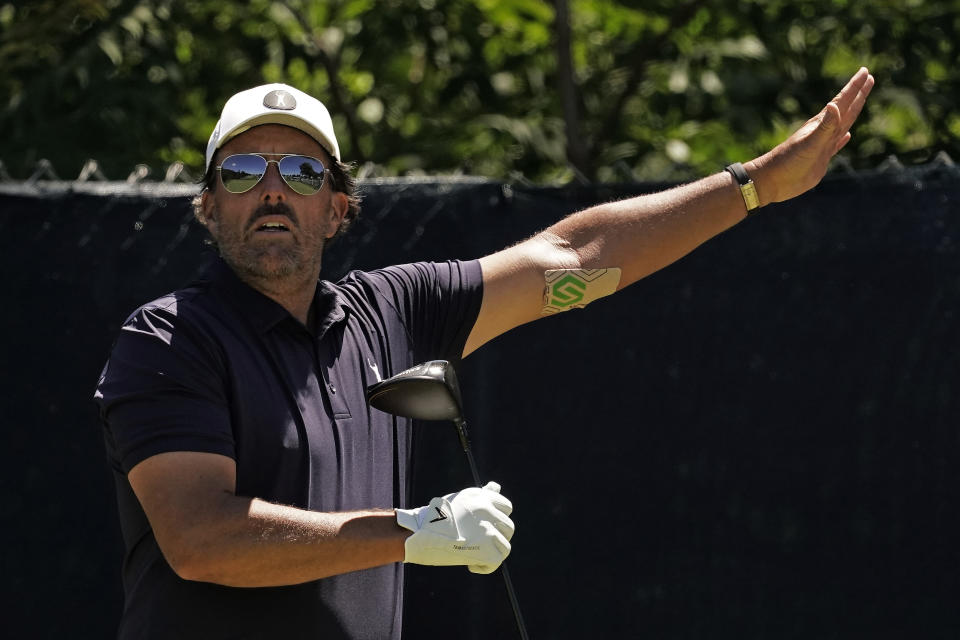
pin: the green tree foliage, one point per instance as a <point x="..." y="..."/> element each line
<point x="661" y="90"/>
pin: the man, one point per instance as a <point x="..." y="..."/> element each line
<point x="259" y="495"/>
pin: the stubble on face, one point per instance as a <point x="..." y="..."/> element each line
<point x="271" y="259"/>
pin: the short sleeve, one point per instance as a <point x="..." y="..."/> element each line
<point x="162" y="390"/>
<point x="438" y="303"/>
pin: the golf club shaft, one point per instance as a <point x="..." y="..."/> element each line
<point x="465" y="442"/>
<point x="473" y="466"/>
<point x="522" y="628"/>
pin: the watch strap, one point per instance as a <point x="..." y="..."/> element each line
<point x="747" y="189"/>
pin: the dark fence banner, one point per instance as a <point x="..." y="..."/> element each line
<point x="760" y="441"/>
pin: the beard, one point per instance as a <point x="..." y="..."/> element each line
<point x="270" y="260"/>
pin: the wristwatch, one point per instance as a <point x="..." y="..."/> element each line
<point x="747" y="189"/>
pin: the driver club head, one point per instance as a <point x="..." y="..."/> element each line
<point x="428" y="391"/>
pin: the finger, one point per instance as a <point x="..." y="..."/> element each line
<point x="503" y="524"/>
<point x="497" y="539"/>
<point x="842" y="142"/>
<point x="483" y="569"/>
<point x="492" y="486"/>
<point x="500" y="503"/>
<point x="830" y="119"/>
<point x="501" y="548"/>
<point x="853" y="112"/>
<point x="850" y="91"/>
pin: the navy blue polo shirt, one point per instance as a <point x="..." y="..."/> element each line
<point x="218" y="367"/>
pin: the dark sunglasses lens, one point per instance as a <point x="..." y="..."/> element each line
<point x="241" y="172"/>
<point x="303" y="174"/>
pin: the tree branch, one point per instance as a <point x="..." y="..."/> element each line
<point x="576" y="150"/>
<point x="332" y="66"/>
<point x="646" y="51"/>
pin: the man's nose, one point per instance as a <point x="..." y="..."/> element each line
<point x="274" y="188"/>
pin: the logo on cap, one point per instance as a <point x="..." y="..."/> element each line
<point x="280" y="99"/>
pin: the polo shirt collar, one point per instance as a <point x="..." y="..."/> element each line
<point x="329" y="308"/>
<point x="265" y="313"/>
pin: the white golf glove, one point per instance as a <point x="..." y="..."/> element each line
<point x="470" y="528"/>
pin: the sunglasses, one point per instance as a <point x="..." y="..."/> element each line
<point x="241" y="172"/>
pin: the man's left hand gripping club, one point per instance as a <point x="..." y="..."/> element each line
<point x="471" y="527"/>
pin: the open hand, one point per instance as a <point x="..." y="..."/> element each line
<point x="800" y="162"/>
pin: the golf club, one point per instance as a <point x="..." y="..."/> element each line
<point x="430" y="391"/>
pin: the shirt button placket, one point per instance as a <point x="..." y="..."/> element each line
<point x="327" y="370"/>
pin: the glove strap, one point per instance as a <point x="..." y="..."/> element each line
<point x="409" y="519"/>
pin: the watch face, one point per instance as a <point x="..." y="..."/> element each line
<point x="750" y="197"/>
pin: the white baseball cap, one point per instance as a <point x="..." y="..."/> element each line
<point x="274" y="104"/>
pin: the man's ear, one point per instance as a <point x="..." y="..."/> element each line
<point x="339" y="204"/>
<point x="208" y="210"/>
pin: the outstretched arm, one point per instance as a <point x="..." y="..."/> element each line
<point x="643" y="234"/>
